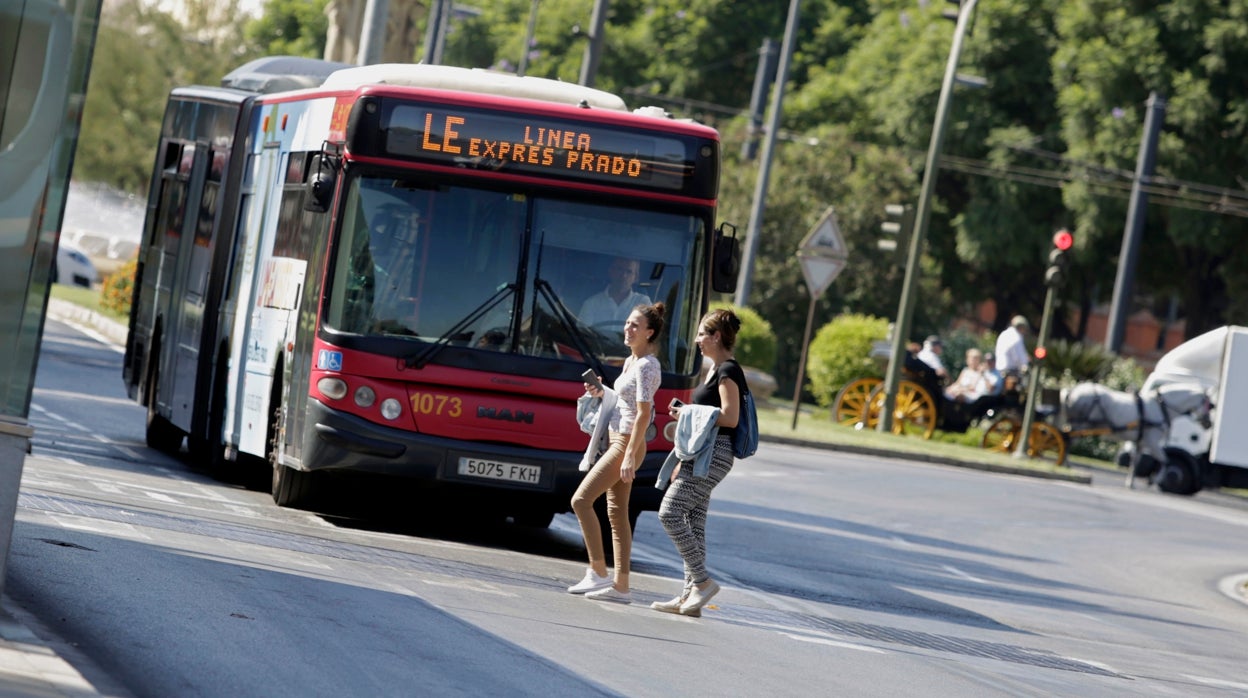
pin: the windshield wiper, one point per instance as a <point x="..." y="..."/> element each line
<point x="568" y="321"/>
<point x="423" y="358"/>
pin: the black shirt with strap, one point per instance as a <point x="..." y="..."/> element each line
<point x="708" y="393"/>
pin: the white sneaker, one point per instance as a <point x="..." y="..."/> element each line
<point x="674" y="605"/>
<point x="591" y="582"/>
<point x="698" y="598"/>
<point x="610" y="594"/>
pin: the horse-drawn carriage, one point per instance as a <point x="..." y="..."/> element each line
<point x="921" y="407"/>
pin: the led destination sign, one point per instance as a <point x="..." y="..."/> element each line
<point x="551" y="148"/>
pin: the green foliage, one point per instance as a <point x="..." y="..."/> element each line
<point x="141" y="53"/>
<point x="841" y="352"/>
<point x="291" y="28"/>
<point x="118" y="289"/>
<point x="1124" y="375"/>
<point x="756" y="342"/>
<point x="1068" y="363"/>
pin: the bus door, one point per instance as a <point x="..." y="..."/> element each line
<point x="180" y="346"/>
<point x="259" y="331"/>
<point x="196" y="265"/>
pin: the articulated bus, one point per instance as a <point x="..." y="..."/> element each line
<point x="378" y="270"/>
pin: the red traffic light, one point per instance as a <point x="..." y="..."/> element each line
<point x="1063" y="240"/>
<point x="1040" y="353"/>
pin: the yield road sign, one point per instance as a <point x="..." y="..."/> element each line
<point x="819" y="271"/>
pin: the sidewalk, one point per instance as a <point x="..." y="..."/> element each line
<point x="29" y="666"/>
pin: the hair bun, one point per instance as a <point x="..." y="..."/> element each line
<point x="735" y="322"/>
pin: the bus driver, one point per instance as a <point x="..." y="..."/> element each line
<point x="613" y="304"/>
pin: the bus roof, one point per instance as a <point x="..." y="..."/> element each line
<point x="445" y="77"/>
<point x="280" y="74"/>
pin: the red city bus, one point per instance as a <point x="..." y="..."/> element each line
<point x="382" y="270"/>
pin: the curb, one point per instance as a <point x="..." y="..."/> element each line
<point x="65" y="311"/>
<point x="1080" y="478"/>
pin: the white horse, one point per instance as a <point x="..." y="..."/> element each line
<point x="1143" y="418"/>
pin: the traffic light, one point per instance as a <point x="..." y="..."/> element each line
<point x="1055" y="275"/>
<point x="898" y="222"/>
<point x="1040" y="353"/>
<point x="952" y="12"/>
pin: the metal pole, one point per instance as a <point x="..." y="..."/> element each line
<point x="593" y="47"/>
<point x="1035" y="377"/>
<point x="766" y="66"/>
<point x="1120" y="307"/>
<point x="801" y="364"/>
<point x="436" y="8"/>
<point x="528" y="40"/>
<point x="444" y="25"/>
<point x="373" y="32"/>
<point x="745" y="275"/>
<point x="905" y="309"/>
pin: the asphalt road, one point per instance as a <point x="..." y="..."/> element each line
<point x="844" y="573"/>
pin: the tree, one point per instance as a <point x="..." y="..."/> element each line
<point x="290" y="28"/>
<point x="1108" y="59"/>
<point x="141" y="53"/>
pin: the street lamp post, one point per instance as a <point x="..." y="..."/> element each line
<point x="745" y="276"/>
<point x="905" y="309"/>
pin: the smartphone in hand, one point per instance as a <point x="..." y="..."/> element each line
<point x="675" y="404"/>
<point x="592" y="378"/>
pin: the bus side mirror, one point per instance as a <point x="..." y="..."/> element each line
<point x="725" y="259"/>
<point x="320" y="185"/>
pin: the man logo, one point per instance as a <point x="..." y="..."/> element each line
<point x="505" y="415"/>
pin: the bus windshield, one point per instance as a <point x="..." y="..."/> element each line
<point x="511" y="272"/>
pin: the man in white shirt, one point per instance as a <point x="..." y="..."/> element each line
<point x="618" y="299"/>
<point x="933" y="347"/>
<point x="1012" y="358"/>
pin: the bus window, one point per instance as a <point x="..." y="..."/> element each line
<point x="419" y="261"/>
<point x="580" y="243"/>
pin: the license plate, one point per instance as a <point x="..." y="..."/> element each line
<point x="496" y="470"/>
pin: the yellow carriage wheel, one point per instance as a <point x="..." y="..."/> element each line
<point x="1001" y="435"/>
<point x="851" y="403"/>
<point x="914" y="413"/>
<point x="1046" y="442"/>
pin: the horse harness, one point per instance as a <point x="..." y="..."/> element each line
<point x="1140" y="424"/>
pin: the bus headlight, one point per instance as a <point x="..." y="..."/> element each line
<point x="332" y="388"/>
<point x="365" y="396"/>
<point x="669" y="431"/>
<point x="391" y="408"/>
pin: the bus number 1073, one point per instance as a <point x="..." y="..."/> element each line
<point x="436" y="404"/>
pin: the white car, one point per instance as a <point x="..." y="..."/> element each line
<point x="73" y="267"/>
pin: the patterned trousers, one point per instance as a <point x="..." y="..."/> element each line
<point x="684" y="507"/>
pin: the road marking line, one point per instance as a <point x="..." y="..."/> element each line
<point x="111" y="528"/>
<point x="834" y="643"/>
<point x="963" y="575"/>
<point x="1220" y="683"/>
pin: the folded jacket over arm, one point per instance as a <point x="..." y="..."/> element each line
<point x="594" y="416"/>
<point x="695" y="442"/>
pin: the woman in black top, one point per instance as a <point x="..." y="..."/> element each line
<point x="685" y="503"/>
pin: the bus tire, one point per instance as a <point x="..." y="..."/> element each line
<point x="208" y="448"/>
<point x="290" y="487"/>
<point x="160" y="434"/>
